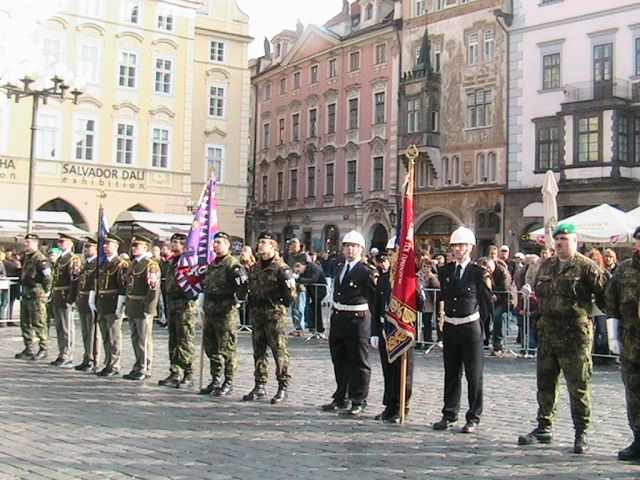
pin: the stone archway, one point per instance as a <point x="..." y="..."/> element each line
<point x="60" y="205"/>
<point x="379" y="236"/>
<point x="331" y="239"/>
<point x="436" y="230"/>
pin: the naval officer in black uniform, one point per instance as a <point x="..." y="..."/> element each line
<point x="466" y="292"/>
<point x="354" y="287"/>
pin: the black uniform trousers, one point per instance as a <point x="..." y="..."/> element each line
<point x="392" y="376"/>
<point x="463" y="345"/>
<point x="349" y="347"/>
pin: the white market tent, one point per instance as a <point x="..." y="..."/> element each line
<point x="603" y="224"/>
<point x="634" y="215"/>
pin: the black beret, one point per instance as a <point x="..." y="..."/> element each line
<point x="221" y="235"/>
<point x="267" y="236"/>
<point x="636" y="233"/>
<point x="181" y="237"/>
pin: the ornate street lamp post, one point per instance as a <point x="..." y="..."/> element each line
<point x="20" y="85"/>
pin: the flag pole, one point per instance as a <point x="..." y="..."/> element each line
<point x="403" y="386"/>
<point x="101" y="196"/>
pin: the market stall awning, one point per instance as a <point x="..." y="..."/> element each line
<point x="47" y="225"/>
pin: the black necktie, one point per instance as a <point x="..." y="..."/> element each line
<point x="458" y="274"/>
<point x="346" y="272"/>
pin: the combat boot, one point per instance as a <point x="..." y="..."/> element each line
<point x="257" y="393"/>
<point x="186" y="382"/>
<point x="540" y="434"/>
<point x="225" y="389"/>
<point x="41" y="355"/>
<point x="26" y="353"/>
<point x="580" y="445"/>
<point x="280" y="396"/>
<point x="215" y="384"/>
<point x="632" y="452"/>
<point x="171" y="381"/>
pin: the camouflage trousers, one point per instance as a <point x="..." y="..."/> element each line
<point x="220" y="338"/>
<point x="182" y="318"/>
<point x="33" y="321"/>
<point x="572" y="357"/>
<point x="269" y="331"/>
<point x="630" y="368"/>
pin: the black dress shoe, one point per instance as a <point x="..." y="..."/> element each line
<point x="336" y="405"/>
<point x="580" y="445"/>
<point x="215" y="384"/>
<point x="186" y="382"/>
<point x="632" y="452"/>
<point x="387" y="412"/>
<point x="224" y="390"/>
<point x="171" y="381"/>
<point x="136" y="376"/>
<point x="540" y="434"/>
<point x="26" y="353"/>
<point x="41" y="355"/>
<point x="443" y="424"/>
<point x="82" y="367"/>
<point x="280" y="396"/>
<point x="56" y="362"/>
<point x="394" y="418"/>
<point x="470" y="427"/>
<point x="257" y="393"/>
<point x="130" y="375"/>
<point x="355" y="411"/>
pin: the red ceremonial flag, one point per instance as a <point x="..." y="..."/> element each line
<point x="401" y="315"/>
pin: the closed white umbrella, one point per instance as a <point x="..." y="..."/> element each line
<point x="550" y="206"/>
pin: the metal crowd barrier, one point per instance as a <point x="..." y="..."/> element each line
<point x="6" y="312"/>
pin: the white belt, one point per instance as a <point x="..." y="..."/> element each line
<point x="350" y="308"/>
<point x="462" y="320"/>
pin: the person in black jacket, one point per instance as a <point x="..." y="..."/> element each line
<point x="465" y="290"/>
<point x="311" y="275"/>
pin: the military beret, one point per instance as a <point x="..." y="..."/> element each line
<point x="112" y="237"/>
<point x="90" y="241"/>
<point x="564" y="229"/>
<point x="293" y="240"/>
<point x="636" y="233"/>
<point x="381" y="257"/>
<point x="267" y="236"/>
<point x="64" y="236"/>
<point x="221" y="235"/>
<point x="180" y="237"/>
<point x="31" y="236"/>
<point x="140" y="239"/>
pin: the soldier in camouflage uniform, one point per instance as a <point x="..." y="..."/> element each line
<point x="623" y="302"/>
<point x="86" y="283"/>
<point x="64" y="291"/>
<point x="182" y="315"/>
<point x="143" y="293"/>
<point x="36" y="283"/>
<point x="565" y="286"/>
<point x="271" y="292"/>
<point x="225" y="284"/>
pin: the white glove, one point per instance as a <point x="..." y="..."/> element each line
<point x="612" y="335"/>
<point x="120" y="306"/>
<point x="200" y="304"/>
<point x="526" y="289"/>
<point x="374" y="341"/>
<point x="92" y="301"/>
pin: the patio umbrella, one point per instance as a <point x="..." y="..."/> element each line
<point x="550" y="206"/>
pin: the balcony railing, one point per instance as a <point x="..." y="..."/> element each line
<point x="583" y="91"/>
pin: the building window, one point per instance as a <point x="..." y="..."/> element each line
<point x="85" y="139"/>
<point x="165" y="21"/>
<point x="331" y="118"/>
<point x="637" y="42"/>
<point x="280" y="131"/>
<point x="279" y="186"/>
<point x="588" y="139"/>
<point x="353" y="113"/>
<point x="472" y="49"/>
<point x="481" y="168"/>
<point x="379" y="114"/>
<point x="486" y="168"/>
<point x="435" y="121"/>
<point x="354" y="61"/>
<point x="437" y="57"/>
<point x="419" y="8"/>
<point x="381" y="53"/>
<point x="479" y="109"/>
<point x="548" y="147"/>
<point x="332" y="68"/>
<point x="217" y="102"/>
<point x="216" y="51"/>
<point x="160" y="148"/>
<point x="88" y="65"/>
<point x="489" y="45"/>
<point x="623" y="139"/>
<point x="446" y="179"/>
<point x="329" y="179"/>
<point x="295" y="127"/>
<point x="124" y="143"/>
<point x="47" y="136"/>
<point x="127" y="69"/>
<point x="311" y="181"/>
<point x="131" y="11"/>
<point x="267" y="91"/>
<point x="551" y="71"/>
<point x="296" y="80"/>
<point x="293" y="184"/>
<point x="417" y="52"/>
<point x="422" y="172"/>
<point x="636" y="140"/>
<point x="413" y="115"/>
<point x="215" y="163"/>
<point x="266" y="135"/>
<point x="455" y="175"/>
<point x="351" y="176"/>
<point x="492" y="166"/>
<point x="439" y="5"/>
<point x="265" y="188"/>
<point x="163" y="76"/>
<point x="378" y="173"/>
<point x="313" y="122"/>
<point x="368" y="12"/>
<point x="313" y="74"/>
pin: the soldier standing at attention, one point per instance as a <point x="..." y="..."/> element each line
<point x="271" y="292"/>
<point x="565" y="286"/>
<point x="182" y="315"/>
<point x="350" y="332"/>
<point x="86" y="283"/>
<point x="63" y="294"/>
<point x="622" y="299"/>
<point x="109" y="303"/>
<point x="36" y="282"/>
<point x="465" y="290"/>
<point x="224" y="285"/>
<point x="143" y="293"/>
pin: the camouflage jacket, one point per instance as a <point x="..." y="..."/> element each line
<point x="623" y="301"/>
<point x="111" y="284"/>
<point x="143" y="287"/>
<point x="66" y="273"/>
<point x="225" y="281"/>
<point x="86" y="283"/>
<point x="271" y="284"/>
<point x="565" y="291"/>
<point x="36" y="275"/>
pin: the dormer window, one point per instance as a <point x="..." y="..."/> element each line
<point x="368" y="12"/>
<point x="278" y="49"/>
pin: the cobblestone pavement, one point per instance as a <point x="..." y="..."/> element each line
<point x="63" y="424"/>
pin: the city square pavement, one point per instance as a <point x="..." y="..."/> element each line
<point x="63" y="424"/>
